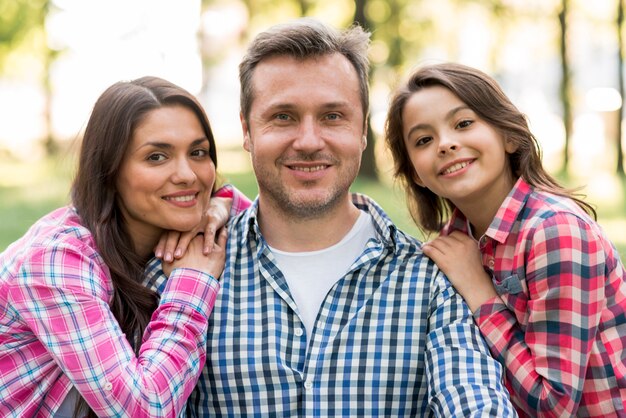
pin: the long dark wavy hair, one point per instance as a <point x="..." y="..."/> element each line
<point x="483" y="95"/>
<point x="115" y="116"/>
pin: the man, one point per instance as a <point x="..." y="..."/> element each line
<point x="326" y="309"/>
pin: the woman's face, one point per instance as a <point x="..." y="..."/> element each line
<point x="167" y="175"/>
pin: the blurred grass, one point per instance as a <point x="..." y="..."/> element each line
<point x="29" y="191"/>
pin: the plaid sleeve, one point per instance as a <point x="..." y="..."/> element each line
<point x="464" y="379"/>
<point x="62" y="295"/>
<point x="546" y="364"/>
<point x="240" y="200"/>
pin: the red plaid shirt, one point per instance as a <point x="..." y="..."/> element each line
<point x="559" y="325"/>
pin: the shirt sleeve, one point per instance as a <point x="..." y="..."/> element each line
<point x="546" y="362"/>
<point x="62" y="296"/>
<point x="240" y="200"/>
<point x="464" y="379"/>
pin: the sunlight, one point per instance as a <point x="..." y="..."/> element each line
<point x="603" y="99"/>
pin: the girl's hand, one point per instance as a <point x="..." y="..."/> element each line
<point x="458" y="256"/>
<point x="173" y="244"/>
<point x="195" y="258"/>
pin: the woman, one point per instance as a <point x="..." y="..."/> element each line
<point x="75" y="317"/>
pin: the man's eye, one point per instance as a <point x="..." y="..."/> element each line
<point x="282" y="116"/>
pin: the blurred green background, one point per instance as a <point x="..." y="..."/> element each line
<point x="560" y="61"/>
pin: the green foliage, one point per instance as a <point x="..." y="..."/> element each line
<point x="18" y="20"/>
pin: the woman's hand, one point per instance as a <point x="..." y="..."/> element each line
<point x="195" y="258"/>
<point x="173" y="244"/>
<point x="458" y="256"/>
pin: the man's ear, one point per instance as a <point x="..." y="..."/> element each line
<point x="246" y="132"/>
<point x="364" y="137"/>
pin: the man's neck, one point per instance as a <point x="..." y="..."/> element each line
<point x="286" y="232"/>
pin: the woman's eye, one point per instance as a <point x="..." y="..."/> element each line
<point x="156" y="157"/>
<point x="465" y="123"/>
<point x="201" y="152"/>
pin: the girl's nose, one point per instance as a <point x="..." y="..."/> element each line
<point x="447" y="144"/>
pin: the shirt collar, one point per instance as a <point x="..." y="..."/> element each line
<point x="506" y="215"/>
<point x="510" y="209"/>
<point x="385" y="228"/>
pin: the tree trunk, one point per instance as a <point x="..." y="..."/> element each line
<point x="368" y="162"/>
<point x="620" y="72"/>
<point x="565" y="88"/>
<point x="51" y="146"/>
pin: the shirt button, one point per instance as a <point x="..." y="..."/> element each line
<point x="308" y="385"/>
<point x="299" y="332"/>
<point x="108" y="386"/>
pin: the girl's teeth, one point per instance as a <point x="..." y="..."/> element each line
<point x="455" y="167"/>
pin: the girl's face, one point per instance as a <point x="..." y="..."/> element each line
<point x="454" y="153"/>
<point x="167" y="175"/>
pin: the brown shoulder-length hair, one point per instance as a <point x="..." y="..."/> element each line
<point x="115" y="116"/>
<point x="484" y="96"/>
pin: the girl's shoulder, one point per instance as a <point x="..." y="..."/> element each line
<point x="542" y="204"/>
<point x="563" y="217"/>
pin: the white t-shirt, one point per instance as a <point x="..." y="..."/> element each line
<point x="310" y="275"/>
<point x="66" y="410"/>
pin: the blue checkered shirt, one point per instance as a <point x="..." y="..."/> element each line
<point x="392" y="338"/>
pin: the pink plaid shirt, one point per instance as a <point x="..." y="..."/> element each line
<point x="57" y="331"/>
<point x="559" y="325"/>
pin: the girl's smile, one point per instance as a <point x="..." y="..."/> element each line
<point x="455" y="153"/>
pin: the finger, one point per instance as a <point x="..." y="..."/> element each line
<point x="160" y="247"/>
<point x="170" y="245"/>
<point x="441" y="244"/>
<point x="184" y="241"/>
<point x="460" y="237"/>
<point x="221" y="238"/>
<point x="209" y="238"/>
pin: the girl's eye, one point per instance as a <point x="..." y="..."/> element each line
<point x="423" y="140"/>
<point x="156" y="157"/>
<point x="465" y="123"/>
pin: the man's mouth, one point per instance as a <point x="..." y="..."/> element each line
<point x="309" y="169"/>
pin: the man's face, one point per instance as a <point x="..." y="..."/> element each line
<point x="305" y="133"/>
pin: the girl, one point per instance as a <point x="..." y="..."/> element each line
<point x="79" y="333"/>
<point x="545" y="284"/>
